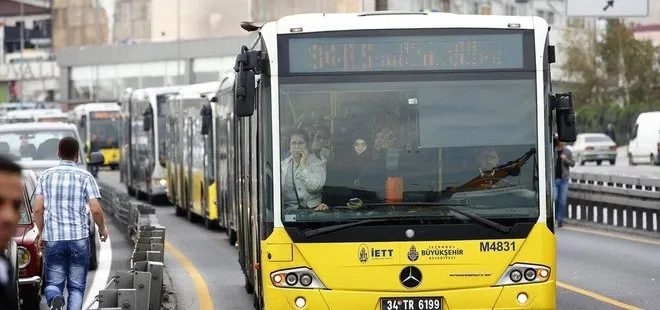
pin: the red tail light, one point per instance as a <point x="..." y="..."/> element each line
<point x="590" y="148"/>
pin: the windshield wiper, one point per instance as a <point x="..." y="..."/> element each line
<point x="446" y="205"/>
<point x="454" y="207"/>
<point x="333" y="228"/>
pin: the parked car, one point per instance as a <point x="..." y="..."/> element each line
<point x="30" y="257"/>
<point x="644" y="145"/>
<point x="596" y="147"/>
<point x="34" y="147"/>
<point x="11" y="253"/>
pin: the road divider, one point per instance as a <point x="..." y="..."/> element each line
<point x="631" y="204"/>
<point x="141" y="287"/>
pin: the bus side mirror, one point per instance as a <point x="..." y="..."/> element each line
<point x="248" y="64"/>
<point x="563" y="105"/>
<point x="146" y="122"/>
<point x="206" y="114"/>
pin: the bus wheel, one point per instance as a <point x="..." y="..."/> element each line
<point x="232" y="237"/>
<point x="248" y="286"/>
<point x="192" y="217"/>
<point x="178" y="211"/>
<point x="210" y="224"/>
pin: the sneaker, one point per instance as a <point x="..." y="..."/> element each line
<point x="57" y="303"/>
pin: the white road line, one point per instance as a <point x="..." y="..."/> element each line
<point x="102" y="272"/>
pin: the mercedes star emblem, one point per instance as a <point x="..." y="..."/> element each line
<point x="410" y="277"/>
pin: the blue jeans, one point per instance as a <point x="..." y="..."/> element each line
<point x="561" y="199"/>
<point x="67" y="261"/>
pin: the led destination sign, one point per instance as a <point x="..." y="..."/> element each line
<point x="406" y="53"/>
<point x="105" y="115"/>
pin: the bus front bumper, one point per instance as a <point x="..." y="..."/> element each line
<point x="537" y="296"/>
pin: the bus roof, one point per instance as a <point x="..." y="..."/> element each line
<point x="36" y="126"/>
<point x="97" y="106"/>
<point x="197" y="90"/>
<point x="319" y="22"/>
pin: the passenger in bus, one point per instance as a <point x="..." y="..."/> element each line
<point x="303" y="176"/>
<point x="321" y="144"/>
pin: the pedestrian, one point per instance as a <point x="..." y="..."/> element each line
<point x="563" y="162"/>
<point x="11" y="199"/>
<point x="63" y="194"/>
<point x="610" y="132"/>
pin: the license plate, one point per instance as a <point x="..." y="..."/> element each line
<point x="411" y="303"/>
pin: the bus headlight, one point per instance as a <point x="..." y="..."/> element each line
<point x="23" y="257"/>
<point x="302" y="277"/>
<point x="523" y="274"/>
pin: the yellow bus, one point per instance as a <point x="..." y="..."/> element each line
<point x="397" y="160"/>
<point x="190" y="158"/>
<point x="99" y="125"/>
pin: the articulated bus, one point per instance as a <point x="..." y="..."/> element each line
<point x="98" y="125"/>
<point x="143" y="140"/>
<point x="191" y="166"/>
<point x="398" y="160"/>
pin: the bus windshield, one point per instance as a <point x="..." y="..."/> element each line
<point x="104" y="129"/>
<point x="399" y="149"/>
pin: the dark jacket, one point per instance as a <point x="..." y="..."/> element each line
<point x="566" y="163"/>
<point x="8" y="297"/>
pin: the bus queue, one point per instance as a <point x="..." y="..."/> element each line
<point x="358" y="162"/>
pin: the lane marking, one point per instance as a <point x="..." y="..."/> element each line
<point x="102" y="274"/>
<point x="596" y="296"/>
<point x="613" y="235"/>
<point x="203" y="293"/>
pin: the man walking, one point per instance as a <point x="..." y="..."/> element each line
<point x="11" y="198"/>
<point x="563" y="162"/>
<point x="63" y="193"/>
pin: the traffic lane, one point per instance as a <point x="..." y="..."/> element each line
<point x="569" y="300"/>
<point x="624" y="270"/>
<point x="621" y="167"/>
<point x="209" y="252"/>
<point x="120" y="261"/>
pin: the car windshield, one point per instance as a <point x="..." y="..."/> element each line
<point x="468" y="142"/>
<point x="597" y="139"/>
<point x="30" y="190"/>
<point x="32" y="144"/>
<point x="104" y="130"/>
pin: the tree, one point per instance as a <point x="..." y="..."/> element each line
<point x="616" y="68"/>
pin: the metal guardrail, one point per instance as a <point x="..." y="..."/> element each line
<point x="619" y="201"/>
<point x="141" y="287"/>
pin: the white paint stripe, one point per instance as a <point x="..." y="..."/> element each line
<point x="595" y="213"/>
<point x="625" y="218"/>
<point x="102" y="272"/>
<point x="615" y="213"/>
<point x="570" y="211"/>
<point x="605" y="216"/>
<point x="644" y="220"/>
<point x="579" y="212"/>
<point x="655" y="221"/>
<point x="634" y="217"/>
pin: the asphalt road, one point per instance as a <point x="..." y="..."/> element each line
<point x="595" y="271"/>
<point x="117" y="259"/>
<point x="621" y="167"/>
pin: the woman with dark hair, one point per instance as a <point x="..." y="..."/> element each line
<point x="303" y="176"/>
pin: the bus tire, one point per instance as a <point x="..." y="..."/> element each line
<point x="178" y="211"/>
<point x="232" y="237"/>
<point x="248" y="286"/>
<point x="210" y="224"/>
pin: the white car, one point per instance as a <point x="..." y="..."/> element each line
<point x="596" y="147"/>
<point x="34" y="147"/>
<point x="644" y="145"/>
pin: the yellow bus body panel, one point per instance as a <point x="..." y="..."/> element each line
<point x="111" y="156"/>
<point x="171" y="177"/>
<point x="197" y="180"/>
<point x="213" y="209"/>
<point x="465" y="280"/>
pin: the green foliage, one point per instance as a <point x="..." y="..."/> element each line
<point x="594" y="118"/>
<point x="597" y="66"/>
